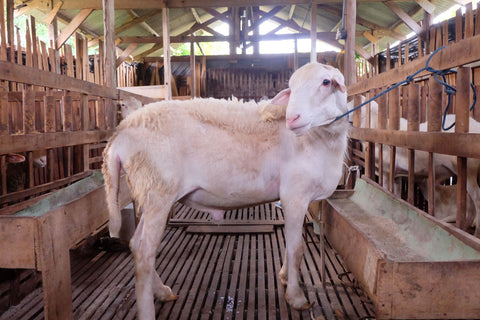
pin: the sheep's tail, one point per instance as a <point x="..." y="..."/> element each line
<point x="111" y="173"/>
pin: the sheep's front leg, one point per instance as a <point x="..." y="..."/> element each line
<point x="294" y="215"/>
<point x="144" y="246"/>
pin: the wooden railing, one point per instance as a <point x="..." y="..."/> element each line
<point x="424" y="99"/>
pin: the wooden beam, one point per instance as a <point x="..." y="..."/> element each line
<point x="195" y="15"/>
<point x="350" y="25"/>
<point x="21" y="142"/>
<point x="265" y="17"/>
<point x="129" y="4"/>
<point x="404" y="17"/>
<point x="292" y="10"/>
<point x="313" y="33"/>
<point x="365" y="23"/>
<point x="125" y="54"/>
<point x="193" y="83"/>
<point x="444" y="59"/>
<point x="53" y="12"/>
<point x="145" y="25"/>
<point x="324" y="36"/>
<point x="167" y="70"/>
<point x="72" y="27"/>
<point x="426" y="5"/>
<point x="109" y="47"/>
<point x="456" y="144"/>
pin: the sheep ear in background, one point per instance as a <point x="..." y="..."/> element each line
<point x="15" y="158"/>
<point x="282" y="97"/>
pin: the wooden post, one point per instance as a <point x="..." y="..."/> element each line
<point x="350" y="17"/>
<point x="167" y="73"/>
<point x="109" y="46"/>
<point x="413" y="124"/>
<point x="295" y="56"/>
<point x="192" y="70"/>
<point x="434" y="123"/>
<point x="462" y="114"/>
<point x="313" y="33"/>
<point x="394" y="124"/>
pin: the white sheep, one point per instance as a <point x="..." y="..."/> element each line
<point x="215" y="155"/>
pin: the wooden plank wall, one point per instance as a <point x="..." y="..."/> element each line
<point x="421" y="99"/>
<point x="65" y="114"/>
<point x="246" y="83"/>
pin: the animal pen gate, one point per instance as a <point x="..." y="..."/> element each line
<point x="411" y="264"/>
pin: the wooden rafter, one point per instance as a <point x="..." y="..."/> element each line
<point x="198" y="26"/>
<point x="124" y="55"/>
<point x="365" y="23"/>
<point x="73" y="26"/>
<point x="404" y="17"/>
<point x="426" y="5"/>
<point x="266" y="17"/>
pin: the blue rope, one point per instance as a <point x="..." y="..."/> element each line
<point x="449" y="90"/>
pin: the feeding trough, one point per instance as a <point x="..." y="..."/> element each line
<point x="411" y="265"/>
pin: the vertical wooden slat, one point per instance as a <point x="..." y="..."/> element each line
<point x="313" y="33"/>
<point x="4" y="121"/>
<point x="69" y="60"/>
<point x="394" y="124"/>
<point x="477" y="19"/>
<point x="167" y="73"/>
<point x="458" y="25"/>
<point x="412" y="125"/>
<point x="68" y="126"/>
<point x="382" y="124"/>
<point x="78" y="56"/>
<point x="33" y="30"/>
<point x="85" y="121"/>
<point x="389" y="59"/>
<point x="28" y="47"/>
<point x="10" y="28"/>
<point x="468" y="20"/>
<point x="3" y="32"/>
<point x="28" y="106"/>
<point x="370" y="146"/>
<point x="434" y="123"/>
<point x="462" y="126"/>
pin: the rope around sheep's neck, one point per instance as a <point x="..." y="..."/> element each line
<point x="449" y="90"/>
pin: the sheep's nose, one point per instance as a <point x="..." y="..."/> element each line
<point x="291" y="120"/>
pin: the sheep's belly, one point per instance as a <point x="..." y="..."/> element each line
<point x="217" y="200"/>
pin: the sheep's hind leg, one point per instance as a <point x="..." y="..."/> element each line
<point x="144" y="246"/>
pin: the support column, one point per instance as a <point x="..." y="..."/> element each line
<point x="313" y="33"/>
<point x="350" y="17"/>
<point x="109" y="47"/>
<point x="167" y="71"/>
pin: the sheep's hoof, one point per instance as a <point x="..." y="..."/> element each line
<point x="305" y="306"/>
<point x="171" y="297"/>
<point x="300" y="304"/>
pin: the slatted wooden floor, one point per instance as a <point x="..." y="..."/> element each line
<point x="217" y="276"/>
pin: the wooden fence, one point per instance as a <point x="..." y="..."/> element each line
<point x="246" y="83"/>
<point x="424" y="99"/>
<point x="54" y="103"/>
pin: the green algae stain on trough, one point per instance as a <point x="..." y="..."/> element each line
<point x="64" y="195"/>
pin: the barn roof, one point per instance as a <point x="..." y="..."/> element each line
<point x="140" y="22"/>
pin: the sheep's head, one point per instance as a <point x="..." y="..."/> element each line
<point x="315" y="97"/>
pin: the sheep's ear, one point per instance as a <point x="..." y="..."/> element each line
<point x="282" y="97"/>
<point x="15" y="158"/>
<point x="339" y="82"/>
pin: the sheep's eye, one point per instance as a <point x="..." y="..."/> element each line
<point x="326" y="82"/>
